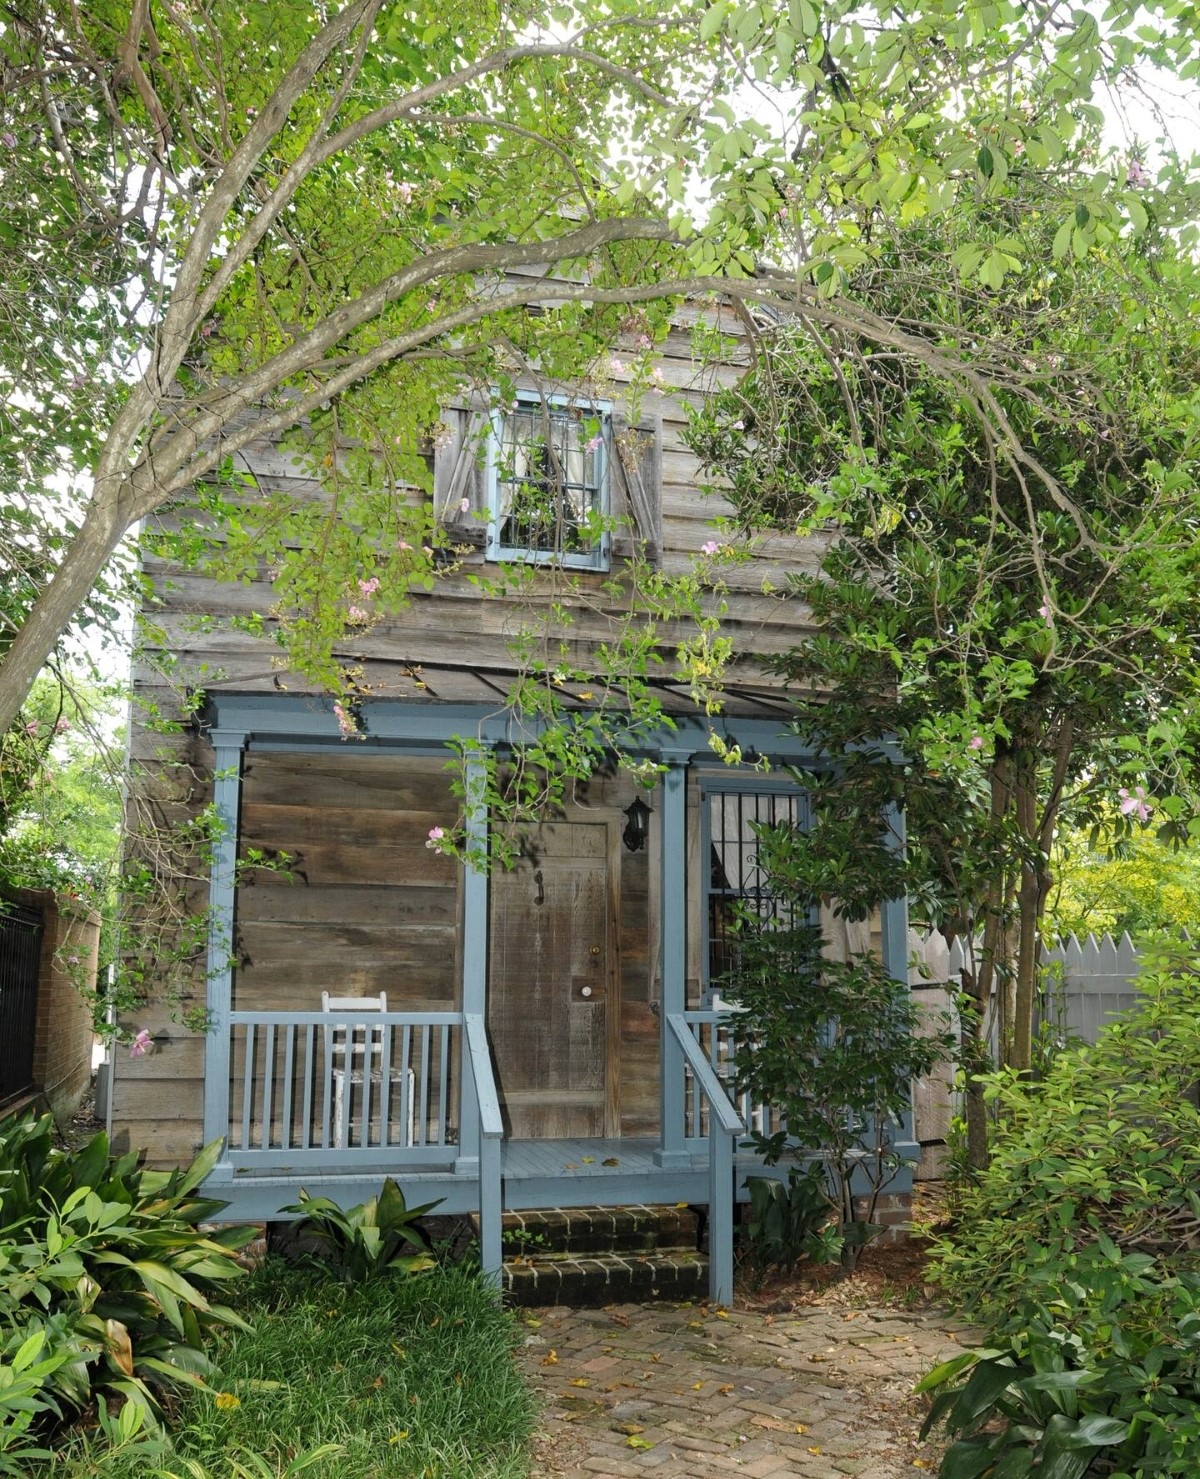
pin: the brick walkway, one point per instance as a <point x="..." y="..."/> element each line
<point x="693" y="1393"/>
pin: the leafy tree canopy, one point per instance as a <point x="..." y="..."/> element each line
<point x="287" y="215"/>
<point x="1011" y="596"/>
<point x="1139" y="885"/>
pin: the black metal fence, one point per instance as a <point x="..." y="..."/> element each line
<point x="20" y="957"/>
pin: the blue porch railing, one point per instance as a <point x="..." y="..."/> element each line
<point x="715" y="1032"/>
<point x="710" y="1098"/>
<point x="315" y="1089"/>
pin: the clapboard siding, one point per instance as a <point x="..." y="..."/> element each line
<point x="455" y="624"/>
<point x="360" y="904"/>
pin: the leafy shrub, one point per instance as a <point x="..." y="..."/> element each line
<point x="832" y="1045"/>
<point x="789" y="1220"/>
<point x="364" y="1241"/>
<point x="1092" y="1400"/>
<point x="104" y="1265"/>
<point x="1108" y="1143"/>
<point x="1079" y="1247"/>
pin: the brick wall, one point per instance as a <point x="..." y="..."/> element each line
<point x="62" y="1048"/>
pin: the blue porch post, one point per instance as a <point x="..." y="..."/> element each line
<point x="894" y="941"/>
<point x="474" y="966"/>
<point x="672" y="1152"/>
<point x="227" y="794"/>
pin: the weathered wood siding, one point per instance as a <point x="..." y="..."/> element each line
<point x="455" y="627"/>
<point x="370" y="908"/>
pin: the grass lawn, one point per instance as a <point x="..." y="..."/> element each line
<point x="409" y="1377"/>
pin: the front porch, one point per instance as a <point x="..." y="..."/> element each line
<point x="548" y="1039"/>
<point x="423" y="1108"/>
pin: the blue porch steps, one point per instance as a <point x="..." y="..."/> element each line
<point x="602" y="1255"/>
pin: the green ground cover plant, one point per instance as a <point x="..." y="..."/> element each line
<point x="110" y="1284"/>
<point x="394" y="1377"/>
<point x="1078" y="1251"/>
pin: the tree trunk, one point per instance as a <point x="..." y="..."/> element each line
<point x="1029" y="944"/>
<point x="51" y="613"/>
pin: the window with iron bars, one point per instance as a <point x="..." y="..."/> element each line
<point x="737" y="881"/>
<point x="548" y="482"/>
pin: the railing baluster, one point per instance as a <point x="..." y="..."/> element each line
<point x="364" y="1137"/>
<point x="309" y="1070"/>
<point x="406" y="1103"/>
<point x="327" y="1099"/>
<point x="385" y="1085"/>
<point x="444" y="1087"/>
<point x="247" y="1086"/>
<point x="289" y="1067"/>
<point x="268" y="1084"/>
<point x="423" y="1126"/>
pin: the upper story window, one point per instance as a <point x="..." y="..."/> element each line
<point x="551" y="479"/>
<point x="548" y="473"/>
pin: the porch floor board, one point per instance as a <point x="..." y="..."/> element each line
<point x="535" y="1174"/>
<point x="578" y="1160"/>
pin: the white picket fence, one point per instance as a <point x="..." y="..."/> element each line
<point x="1085" y="982"/>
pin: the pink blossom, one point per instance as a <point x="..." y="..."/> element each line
<point x="1136" y="174"/>
<point x="976" y="742"/>
<point x="436" y="834"/>
<point x="369" y="587"/>
<point x="33" y="726"/>
<point x="61" y="724"/>
<point x="464" y="506"/>
<point x="616" y="366"/>
<point x="345" y="721"/>
<point x="72" y="960"/>
<point x="642" y="341"/>
<point x="141" y="1044"/>
<point x="596" y="442"/>
<point x="710" y="547"/>
<point x="1046" y="613"/>
<point x="427" y="549"/>
<point x="356" y="613"/>
<point x="404" y="545"/>
<point x="656" y="378"/>
<point x="8" y="139"/>
<point x="1134" y="803"/>
<point x="404" y="189"/>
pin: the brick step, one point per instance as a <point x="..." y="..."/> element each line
<point x="606" y="1278"/>
<point x="589" y="1231"/>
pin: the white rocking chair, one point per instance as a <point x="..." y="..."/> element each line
<point x="356" y="1049"/>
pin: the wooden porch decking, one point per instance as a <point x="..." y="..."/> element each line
<point x="534" y="1174"/>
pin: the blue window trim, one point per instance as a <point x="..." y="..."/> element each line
<point x="598" y="558"/>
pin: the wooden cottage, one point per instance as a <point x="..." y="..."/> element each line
<point x="540" y="1037"/>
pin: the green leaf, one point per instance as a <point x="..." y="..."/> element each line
<point x="946" y="1371"/>
<point x="713" y="19"/>
<point x="969" y="1458"/>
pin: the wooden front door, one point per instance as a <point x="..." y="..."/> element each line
<point x="551" y="989"/>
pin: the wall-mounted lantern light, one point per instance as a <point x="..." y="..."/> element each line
<point x="637" y="824"/>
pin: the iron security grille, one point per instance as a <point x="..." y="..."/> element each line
<point x="737" y="879"/>
<point x="20" y="958"/>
